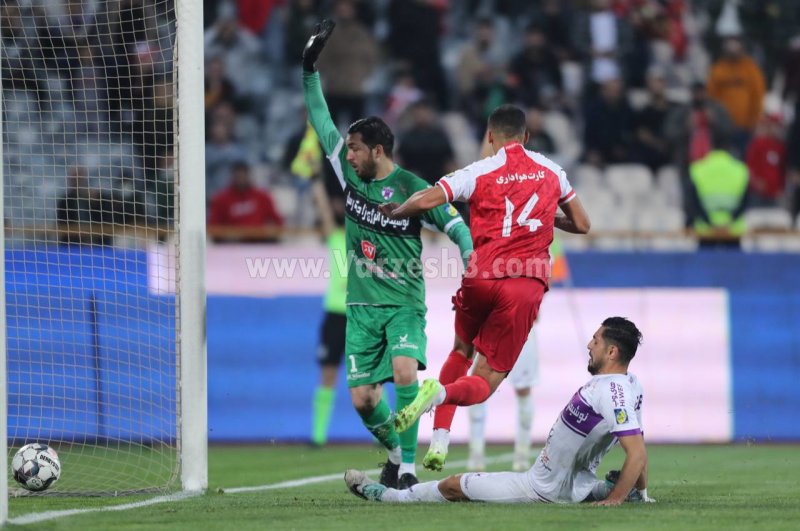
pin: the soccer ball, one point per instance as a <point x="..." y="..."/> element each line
<point x="36" y="467"/>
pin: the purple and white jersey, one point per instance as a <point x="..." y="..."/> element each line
<point x="607" y="407"/>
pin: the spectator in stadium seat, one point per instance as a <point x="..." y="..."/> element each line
<point x="766" y="162"/>
<point x="538" y="139"/>
<point x="535" y="73"/>
<point x="153" y="126"/>
<point x="608" y="125"/>
<point x="20" y="55"/>
<point x="650" y="147"/>
<point x="414" y="33"/>
<point x="222" y="151"/>
<point x="481" y="68"/>
<point x="301" y="17"/>
<point x="719" y="188"/>
<point x="350" y="58"/>
<point x="243" y="205"/>
<point x="218" y="88"/>
<point x="80" y="207"/>
<point x="556" y="20"/>
<point x="425" y="148"/>
<point x="689" y="129"/>
<point x="602" y="40"/>
<point x="736" y="81"/>
<point x="128" y="201"/>
<point x="403" y="94"/>
<point x="238" y="48"/>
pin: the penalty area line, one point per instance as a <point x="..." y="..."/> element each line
<point x="34" y="518"/>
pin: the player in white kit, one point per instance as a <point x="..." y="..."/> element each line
<point x="522" y="378"/>
<point x="606" y="410"/>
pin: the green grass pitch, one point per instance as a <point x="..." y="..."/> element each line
<point x="697" y="487"/>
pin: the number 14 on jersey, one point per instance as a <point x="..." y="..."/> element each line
<point x="522" y="220"/>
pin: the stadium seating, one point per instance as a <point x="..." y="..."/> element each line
<point x="768" y="218"/>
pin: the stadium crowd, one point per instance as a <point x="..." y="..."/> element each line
<point x="631" y="96"/>
<point x="644" y="101"/>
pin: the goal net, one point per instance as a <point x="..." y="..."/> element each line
<point x="93" y="239"/>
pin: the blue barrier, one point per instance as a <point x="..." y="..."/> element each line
<point x="764" y="300"/>
<point x="91" y="354"/>
<point x="90" y="350"/>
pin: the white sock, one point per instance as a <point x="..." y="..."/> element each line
<point x="394" y="455"/>
<point x="522" y="443"/>
<point x="440" y="397"/>
<point x="421" y="492"/>
<point x="477" y="421"/>
<point x="440" y="438"/>
<point x="407" y="468"/>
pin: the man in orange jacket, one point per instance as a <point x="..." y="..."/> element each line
<point x="737" y="82"/>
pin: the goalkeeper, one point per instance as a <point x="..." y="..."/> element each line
<point x="385" y="337"/>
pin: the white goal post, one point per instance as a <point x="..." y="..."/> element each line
<point x="102" y="207"/>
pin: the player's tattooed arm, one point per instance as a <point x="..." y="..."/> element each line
<point x="416" y="205"/>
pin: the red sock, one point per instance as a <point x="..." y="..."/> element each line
<point x="467" y="391"/>
<point x="454" y="368"/>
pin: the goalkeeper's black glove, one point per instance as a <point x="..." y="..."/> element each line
<point x="316" y="43"/>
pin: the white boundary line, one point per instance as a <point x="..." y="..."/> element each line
<point x="504" y="458"/>
<point x="34" y="518"/>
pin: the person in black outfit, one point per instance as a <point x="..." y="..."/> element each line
<point x="82" y="205"/>
<point x="425" y="148"/>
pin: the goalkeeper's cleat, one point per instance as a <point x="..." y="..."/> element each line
<point x="389" y="474"/>
<point x="435" y="457"/>
<point x="407" y="481"/>
<point x="426" y="399"/>
<point x="362" y="486"/>
<point x="476" y="463"/>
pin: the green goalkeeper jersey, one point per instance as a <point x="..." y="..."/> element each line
<point x="384" y="267"/>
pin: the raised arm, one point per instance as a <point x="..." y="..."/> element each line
<point x="318" y="114"/>
<point x="633" y="472"/>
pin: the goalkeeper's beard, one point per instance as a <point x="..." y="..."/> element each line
<point x="367" y="171"/>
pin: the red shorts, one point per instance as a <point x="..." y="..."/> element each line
<point x="497" y="315"/>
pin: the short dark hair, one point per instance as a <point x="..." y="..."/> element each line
<point x="240" y="165"/>
<point x="508" y="120"/>
<point x="624" y="335"/>
<point x="374" y="132"/>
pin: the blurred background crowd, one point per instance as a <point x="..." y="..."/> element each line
<point x="667" y="114"/>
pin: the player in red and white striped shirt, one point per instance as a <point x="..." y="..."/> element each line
<point x="513" y="196"/>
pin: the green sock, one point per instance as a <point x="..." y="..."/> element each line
<point x="323" y="406"/>
<point x="406" y="394"/>
<point x="380" y="423"/>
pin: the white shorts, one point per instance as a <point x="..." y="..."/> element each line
<point x="526" y="371"/>
<point x="499" y="487"/>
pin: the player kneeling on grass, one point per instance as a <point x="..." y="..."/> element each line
<point x="606" y="410"/>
